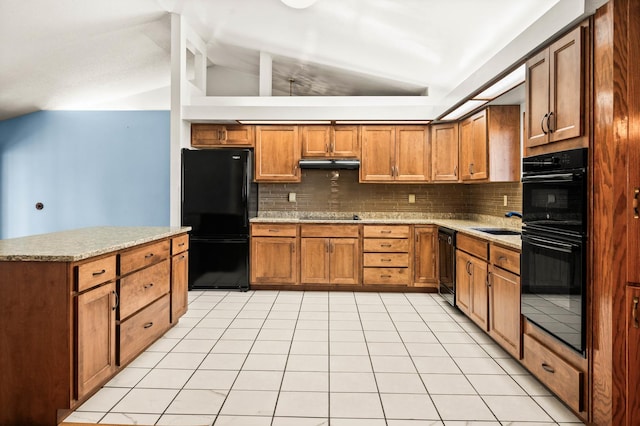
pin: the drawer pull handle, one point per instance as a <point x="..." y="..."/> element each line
<point x="385" y="276"/>
<point x="182" y="257"/>
<point x="274" y="230"/>
<point x="385" y="260"/>
<point x="386" y="231"/>
<point x="146" y="286"/>
<point x="149" y="256"/>
<point x="148" y="325"/>
<point x="636" y="212"/>
<point x="634" y="313"/>
<point x="95" y="274"/>
<point x="549" y="369"/>
<point x="181" y="244"/>
<point x="385" y="245"/>
<point x="502" y="258"/>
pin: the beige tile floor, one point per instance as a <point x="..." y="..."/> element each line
<point x="269" y="358"/>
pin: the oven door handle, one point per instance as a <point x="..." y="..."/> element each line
<point x="548" y="244"/>
<point x="561" y="177"/>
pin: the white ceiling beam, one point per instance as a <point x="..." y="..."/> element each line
<point x="266" y="74"/>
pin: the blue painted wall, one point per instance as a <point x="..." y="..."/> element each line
<point x="88" y="168"/>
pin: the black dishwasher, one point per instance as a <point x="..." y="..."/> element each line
<point x="447" y="264"/>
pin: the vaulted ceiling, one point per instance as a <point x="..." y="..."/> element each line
<point x="72" y="54"/>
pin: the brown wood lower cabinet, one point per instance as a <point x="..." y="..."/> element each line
<point x="387" y="255"/>
<point x="274" y="253"/>
<point x="329" y="254"/>
<point x="504" y="309"/>
<point x="472" y="295"/>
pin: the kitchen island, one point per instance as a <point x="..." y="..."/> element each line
<point x="77" y="307"/>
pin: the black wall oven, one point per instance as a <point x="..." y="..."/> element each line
<point x="554" y="236"/>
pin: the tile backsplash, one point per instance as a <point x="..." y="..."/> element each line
<point x="338" y="191"/>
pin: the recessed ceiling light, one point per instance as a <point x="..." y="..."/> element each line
<point x="299" y="4"/>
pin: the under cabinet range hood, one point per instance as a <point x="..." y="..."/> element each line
<point x="329" y="164"/>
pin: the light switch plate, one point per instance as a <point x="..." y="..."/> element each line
<point x="505" y="201"/>
<point x="292" y="197"/>
<point x="412" y="198"/>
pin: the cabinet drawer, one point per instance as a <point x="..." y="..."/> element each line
<point x="95" y="272"/>
<point x="559" y="376"/>
<point x="472" y="245"/>
<point x="386" y="231"/>
<point x="138" y="258"/>
<point x="380" y="245"/>
<point x="386" y="276"/>
<point x="273" y="230"/>
<point x="387" y="259"/>
<point x="179" y="244"/>
<point x="329" y="231"/>
<point x="505" y="258"/>
<point x="139" y="289"/>
<point x="140" y="330"/>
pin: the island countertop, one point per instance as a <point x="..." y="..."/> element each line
<point x="82" y="243"/>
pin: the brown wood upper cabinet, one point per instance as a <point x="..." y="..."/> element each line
<point x="444" y="154"/>
<point x="330" y="141"/>
<point x="220" y="135"/>
<point x="490" y="145"/>
<point x="395" y="153"/>
<point x="277" y="153"/>
<point x="555" y="93"/>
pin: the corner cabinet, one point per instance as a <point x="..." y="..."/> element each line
<point x="395" y="154"/>
<point x="556" y="88"/>
<point x="70" y="326"/>
<point x="490" y="145"/>
<point x="277" y="154"/>
<point x="426" y="246"/>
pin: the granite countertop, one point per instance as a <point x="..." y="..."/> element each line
<point x="460" y="225"/>
<point x="79" y="244"/>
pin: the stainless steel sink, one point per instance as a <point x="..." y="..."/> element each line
<point x="497" y="231"/>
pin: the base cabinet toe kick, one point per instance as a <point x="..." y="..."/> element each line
<point x="70" y="326"/>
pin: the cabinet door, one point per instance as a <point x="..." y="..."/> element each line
<point x="479" y="312"/>
<point x="633" y="353"/>
<point x="314" y="260"/>
<point x="273" y="260"/>
<point x="206" y="135"/>
<point x="474" y="147"/>
<point x="179" y="285"/>
<point x="316" y="141"/>
<point x="466" y="144"/>
<point x="277" y="154"/>
<point x="96" y="337"/>
<point x="412" y="154"/>
<point x="504" y="310"/>
<point x="566" y="79"/>
<point x="378" y="154"/>
<point x="537" y="99"/>
<point x="425" y="271"/>
<point x="345" y="142"/>
<point x="444" y="152"/>
<point x="463" y="282"/>
<point x="344" y="261"/>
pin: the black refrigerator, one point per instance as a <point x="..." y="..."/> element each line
<point x="218" y="199"/>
